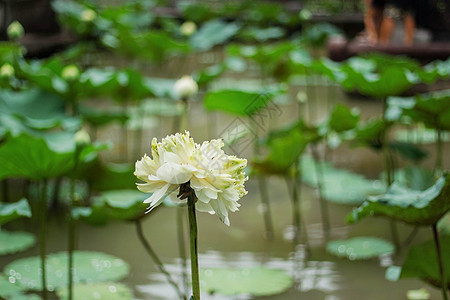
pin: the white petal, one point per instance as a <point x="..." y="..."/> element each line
<point x="157" y="195"/>
<point x="174" y="173"/>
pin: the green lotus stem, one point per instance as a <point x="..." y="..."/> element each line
<point x="184" y="115"/>
<point x="57" y="188"/>
<point x="181" y="246"/>
<point x="388" y="172"/>
<point x="262" y="186"/>
<point x="411" y="236"/>
<point x="311" y="91"/>
<point x="155" y="258"/>
<point x="440" y="262"/>
<point x="193" y="246"/>
<point x="5" y="190"/>
<point x="439" y="145"/>
<point x="320" y="182"/>
<point x="125" y="132"/>
<point x="296" y="208"/>
<point x="71" y="244"/>
<point x="139" y="133"/>
<point x="42" y="240"/>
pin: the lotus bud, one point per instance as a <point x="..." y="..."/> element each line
<point x="305" y="14"/>
<point x="70" y="73"/>
<point x="15" y="31"/>
<point x="302" y="97"/>
<point x="6" y="71"/>
<point x="188" y="28"/>
<point x="82" y="138"/>
<point x="88" y="15"/>
<point x="185" y="87"/>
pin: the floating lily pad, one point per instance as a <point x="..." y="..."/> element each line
<point x="12" y="211"/>
<point x="8" y="288"/>
<point x="258" y="281"/>
<point x="124" y="205"/>
<point x="89" y="267"/>
<point x="421" y="262"/>
<point x="360" y="248"/>
<point x="107" y="290"/>
<point x="340" y="185"/>
<point x="13" y="242"/>
<point x="407" y="205"/>
<point x="25" y="297"/>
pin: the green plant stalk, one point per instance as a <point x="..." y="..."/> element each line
<point x="184" y="115"/>
<point x="155" y="258"/>
<point x="139" y="133"/>
<point x="262" y="186"/>
<point x="320" y="182"/>
<point x="5" y="190"/>
<point x="311" y="91"/>
<point x="388" y="173"/>
<point x="181" y="247"/>
<point x="440" y="262"/>
<point x="296" y="209"/>
<point x="439" y="157"/>
<point x="71" y="237"/>
<point x="193" y="246"/>
<point x="42" y="239"/>
<point x="125" y="132"/>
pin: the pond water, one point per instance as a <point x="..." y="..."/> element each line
<point x="317" y="274"/>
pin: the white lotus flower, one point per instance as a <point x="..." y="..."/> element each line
<point x="185" y="87"/>
<point x="188" y="28"/>
<point x="216" y="179"/>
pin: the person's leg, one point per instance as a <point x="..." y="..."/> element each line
<point x="410" y="28"/>
<point x="391" y="13"/>
<point x="369" y="21"/>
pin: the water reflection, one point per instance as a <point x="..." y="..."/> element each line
<point x="307" y="275"/>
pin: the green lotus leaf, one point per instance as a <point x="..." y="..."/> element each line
<point x="97" y="117"/>
<point x="390" y="81"/>
<point x="29" y="109"/>
<point x="12" y="211"/>
<point x="122" y="205"/>
<point x="360" y="248"/>
<point x="414" y="177"/>
<point x="31" y="157"/>
<point x="240" y="102"/>
<point x="262" y="34"/>
<point x="407" y="205"/>
<point x="89" y="267"/>
<point x="112" y="176"/>
<point x="342" y="118"/>
<point x="213" y="33"/>
<point x="106" y="290"/>
<point x="284" y="149"/>
<point x="340" y="185"/>
<point x="257" y="281"/>
<point x="7" y="288"/>
<point x="161" y="87"/>
<point x="421" y="262"/>
<point x="13" y="242"/>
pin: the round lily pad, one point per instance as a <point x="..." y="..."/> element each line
<point x="89" y="267"/>
<point x="13" y="242"/>
<point x="106" y="290"/>
<point x="360" y="248"/>
<point x="258" y="281"/>
<point x="10" y="289"/>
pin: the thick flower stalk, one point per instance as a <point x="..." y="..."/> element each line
<point x="177" y="161"/>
